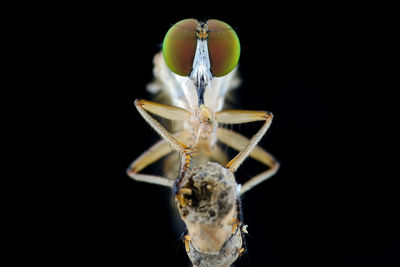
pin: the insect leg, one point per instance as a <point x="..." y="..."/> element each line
<point x="165" y="111"/>
<point x="154" y="153"/>
<point x="239" y="142"/>
<point x="144" y="107"/>
<point x="243" y="116"/>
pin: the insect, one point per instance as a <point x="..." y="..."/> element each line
<point x="196" y="69"/>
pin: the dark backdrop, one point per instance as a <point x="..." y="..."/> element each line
<point x="332" y="203"/>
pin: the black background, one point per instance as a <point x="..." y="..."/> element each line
<point x="333" y="203"/>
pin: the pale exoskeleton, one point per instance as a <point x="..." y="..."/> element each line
<point x="197" y="68"/>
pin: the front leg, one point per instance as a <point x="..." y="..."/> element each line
<point x="163" y="147"/>
<point x="174" y="113"/>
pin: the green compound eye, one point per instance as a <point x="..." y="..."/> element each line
<point x="223" y="47"/>
<point x="179" y="46"/>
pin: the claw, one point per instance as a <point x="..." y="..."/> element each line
<point x="241" y="251"/>
<point x="180" y="196"/>
<point x="187" y="156"/>
<point x="187" y="160"/>
<point x="186" y="239"/>
<point x="185" y="191"/>
<point x="182" y="202"/>
<point x="235" y="223"/>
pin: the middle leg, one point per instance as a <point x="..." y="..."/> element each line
<point x="153" y="154"/>
<point x="244" y="116"/>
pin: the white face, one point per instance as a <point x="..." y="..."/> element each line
<point x="201" y="68"/>
<point x="201" y="74"/>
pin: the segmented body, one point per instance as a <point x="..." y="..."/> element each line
<point x="196" y="83"/>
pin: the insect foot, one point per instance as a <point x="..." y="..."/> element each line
<point x="186" y="241"/>
<point x="210" y="197"/>
<point x="235" y="223"/>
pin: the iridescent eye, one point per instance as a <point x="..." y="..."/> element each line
<point x="179" y="46"/>
<point x="223" y="47"/>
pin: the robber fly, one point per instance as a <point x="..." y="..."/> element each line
<point x="196" y="69"/>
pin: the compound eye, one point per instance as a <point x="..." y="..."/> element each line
<point x="223" y="47"/>
<point x="179" y="46"/>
